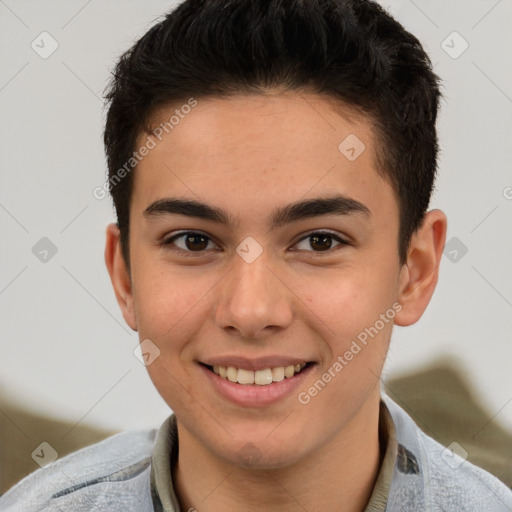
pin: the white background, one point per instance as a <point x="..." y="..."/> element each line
<point x="65" y="349"/>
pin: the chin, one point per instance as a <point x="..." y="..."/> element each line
<point x="262" y="453"/>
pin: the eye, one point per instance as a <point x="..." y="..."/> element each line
<point x="321" y="241"/>
<point x="194" y="241"/>
<point x="191" y="241"/>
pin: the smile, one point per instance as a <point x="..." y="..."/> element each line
<point x="262" y="377"/>
<point x="258" y="382"/>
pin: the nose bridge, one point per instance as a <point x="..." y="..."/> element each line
<point x="252" y="298"/>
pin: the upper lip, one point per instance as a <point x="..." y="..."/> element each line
<point x="255" y="363"/>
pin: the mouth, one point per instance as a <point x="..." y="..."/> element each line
<point x="262" y="377"/>
<point x="257" y="383"/>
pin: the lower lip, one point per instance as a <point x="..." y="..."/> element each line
<point x="248" y="395"/>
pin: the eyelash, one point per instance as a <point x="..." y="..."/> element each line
<point x="169" y="241"/>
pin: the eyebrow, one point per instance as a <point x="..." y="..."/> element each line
<point x="332" y="205"/>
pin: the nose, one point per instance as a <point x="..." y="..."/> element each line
<point x="253" y="301"/>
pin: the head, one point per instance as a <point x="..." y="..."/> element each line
<point x="248" y="108"/>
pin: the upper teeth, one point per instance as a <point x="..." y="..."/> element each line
<point x="260" y="377"/>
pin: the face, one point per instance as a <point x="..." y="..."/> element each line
<point x="249" y="281"/>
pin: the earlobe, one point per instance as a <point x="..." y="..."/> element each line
<point x="418" y="276"/>
<point x="119" y="275"/>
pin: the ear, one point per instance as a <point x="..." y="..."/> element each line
<point x="418" y="276"/>
<point x="119" y="275"/>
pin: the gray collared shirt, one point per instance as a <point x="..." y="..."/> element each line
<point x="131" y="472"/>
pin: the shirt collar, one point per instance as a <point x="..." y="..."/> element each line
<point x="389" y="449"/>
<point x="165" y="453"/>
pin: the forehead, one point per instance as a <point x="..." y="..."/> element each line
<point x="275" y="148"/>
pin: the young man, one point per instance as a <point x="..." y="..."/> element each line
<point x="271" y="165"/>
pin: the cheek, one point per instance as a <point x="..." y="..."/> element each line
<point x="350" y="301"/>
<point x="357" y="312"/>
<point x="169" y="313"/>
<point x="165" y="302"/>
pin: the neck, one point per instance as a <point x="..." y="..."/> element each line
<point x="342" y="472"/>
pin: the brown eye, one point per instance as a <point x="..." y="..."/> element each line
<point x="191" y="241"/>
<point x="321" y="241"/>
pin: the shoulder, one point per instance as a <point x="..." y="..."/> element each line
<point x="439" y="478"/>
<point x="454" y="483"/>
<point x="110" y="475"/>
